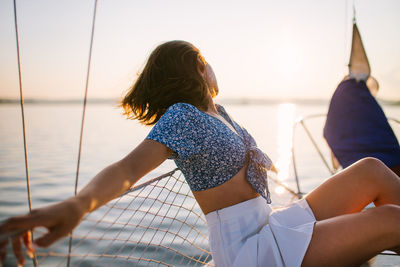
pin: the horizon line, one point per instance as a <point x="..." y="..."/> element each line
<point x="226" y="100"/>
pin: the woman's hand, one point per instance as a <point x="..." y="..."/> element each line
<point x="59" y="219"/>
<point x="64" y="216"/>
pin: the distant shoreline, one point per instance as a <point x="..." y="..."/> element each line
<point x="232" y="101"/>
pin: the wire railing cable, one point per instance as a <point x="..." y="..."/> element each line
<point x="83" y="114"/>
<point x="23" y="118"/>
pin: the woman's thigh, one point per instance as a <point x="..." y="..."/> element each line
<point x="350" y="240"/>
<point x="350" y="190"/>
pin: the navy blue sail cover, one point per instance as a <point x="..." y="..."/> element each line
<point x="356" y="126"/>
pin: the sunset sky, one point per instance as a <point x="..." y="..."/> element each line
<point x="258" y="49"/>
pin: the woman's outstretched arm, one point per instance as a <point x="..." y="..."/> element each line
<point x="61" y="218"/>
<point x="121" y="175"/>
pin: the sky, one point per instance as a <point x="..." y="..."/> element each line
<point x="259" y="49"/>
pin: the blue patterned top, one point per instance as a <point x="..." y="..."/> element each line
<point x="207" y="151"/>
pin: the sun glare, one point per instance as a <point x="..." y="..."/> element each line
<point x="286" y="114"/>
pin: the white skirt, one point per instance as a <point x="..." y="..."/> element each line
<point x="252" y="234"/>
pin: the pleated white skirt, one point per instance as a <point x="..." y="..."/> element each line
<point x="252" y="234"/>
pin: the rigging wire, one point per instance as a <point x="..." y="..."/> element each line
<point x="21" y="97"/>
<point x="83" y="117"/>
<point x="85" y="99"/>
<point x="346" y="28"/>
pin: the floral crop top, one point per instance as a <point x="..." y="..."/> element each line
<point x="207" y="151"/>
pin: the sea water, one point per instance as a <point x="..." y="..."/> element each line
<point x="52" y="132"/>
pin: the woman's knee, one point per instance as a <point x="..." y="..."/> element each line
<point x="388" y="214"/>
<point x="371" y="163"/>
<point x="372" y="168"/>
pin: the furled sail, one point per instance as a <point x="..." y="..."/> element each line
<point x="356" y="126"/>
<point x="359" y="67"/>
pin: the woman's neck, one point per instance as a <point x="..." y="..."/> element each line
<point x="211" y="108"/>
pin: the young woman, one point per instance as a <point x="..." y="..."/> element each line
<point x="227" y="174"/>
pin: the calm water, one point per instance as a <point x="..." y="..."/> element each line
<point x="53" y="136"/>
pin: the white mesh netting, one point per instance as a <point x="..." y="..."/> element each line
<point x="158" y="223"/>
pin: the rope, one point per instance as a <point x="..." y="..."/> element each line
<point x="83" y="115"/>
<point x="23" y="120"/>
<point x="149" y="182"/>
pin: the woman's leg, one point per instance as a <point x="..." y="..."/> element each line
<point x="349" y="191"/>
<point x="350" y="240"/>
<point x="343" y="237"/>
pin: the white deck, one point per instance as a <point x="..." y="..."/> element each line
<point x="385" y="261"/>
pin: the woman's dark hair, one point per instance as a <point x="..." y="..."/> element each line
<point x="170" y="76"/>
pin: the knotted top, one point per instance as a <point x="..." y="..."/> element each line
<point x="207" y="151"/>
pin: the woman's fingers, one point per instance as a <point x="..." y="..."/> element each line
<point x="28" y="243"/>
<point x="12" y="229"/>
<point x="3" y="250"/>
<point x="17" y="229"/>
<point x="58" y="218"/>
<point x="17" y="249"/>
<point x="20" y="223"/>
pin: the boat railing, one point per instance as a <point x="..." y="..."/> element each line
<point x="302" y="122"/>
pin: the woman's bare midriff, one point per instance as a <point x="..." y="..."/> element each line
<point x="232" y="192"/>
